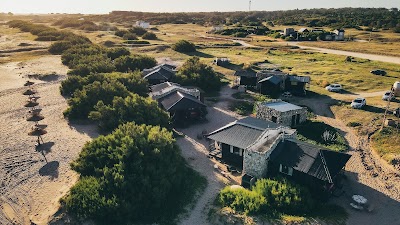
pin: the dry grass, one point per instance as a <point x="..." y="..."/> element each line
<point x="377" y="48"/>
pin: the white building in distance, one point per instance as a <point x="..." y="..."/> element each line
<point x="143" y="24"/>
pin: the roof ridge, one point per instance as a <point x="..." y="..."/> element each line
<point x="328" y="174"/>
<point x="180" y="94"/>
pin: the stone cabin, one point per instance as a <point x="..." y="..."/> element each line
<point x="261" y="148"/>
<point x="280" y="112"/>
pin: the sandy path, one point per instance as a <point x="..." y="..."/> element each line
<point x="195" y="151"/>
<point x="30" y="188"/>
<point x="367" y="174"/>
<point x="381" y="58"/>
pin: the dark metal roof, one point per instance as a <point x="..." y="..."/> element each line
<point x="301" y="79"/>
<point x="159" y="73"/>
<point x="242" y="133"/>
<point x="245" y="73"/>
<point x="180" y="101"/>
<point x="310" y="159"/>
<point x="160" y="87"/>
<point x="237" y="135"/>
<point x="273" y="79"/>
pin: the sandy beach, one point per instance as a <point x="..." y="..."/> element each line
<point x="32" y="183"/>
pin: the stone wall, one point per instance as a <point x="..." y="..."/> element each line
<point x="284" y="118"/>
<point x="255" y="163"/>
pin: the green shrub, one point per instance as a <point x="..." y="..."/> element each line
<point x="285" y="196"/>
<point x="132" y="81"/>
<point x="130" y="36"/>
<point x="149" y="36"/>
<point x="135" y="175"/>
<point x="195" y="73"/>
<point x="242" y="200"/>
<point x="139" y="31"/>
<point x="114" y="53"/>
<point x="84" y="100"/>
<point x="121" y="33"/>
<point x="269" y="195"/>
<point x="135" y="62"/>
<point x="353" y="124"/>
<point x="138" y="42"/>
<point x="184" y="46"/>
<point x="240" y="34"/>
<point x="133" y="108"/>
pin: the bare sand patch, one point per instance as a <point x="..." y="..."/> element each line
<point x="31" y="183"/>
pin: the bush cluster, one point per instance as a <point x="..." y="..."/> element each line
<point x="135" y="174"/>
<point x="269" y="195"/>
<point x="133" y="33"/>
<point x="65" y="39"/>
<point x="184" y="46"/>
<point x="195" y="73"/>
<point x="76" y="24"/>
<point x="133" y="108"/>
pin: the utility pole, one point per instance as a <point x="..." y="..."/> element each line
<point x="249" y="5"/>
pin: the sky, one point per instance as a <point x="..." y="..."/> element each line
<point x="106" y="6"/>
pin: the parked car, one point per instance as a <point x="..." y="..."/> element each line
<point x="388" y="96"/>
<point x="378" y="72"/>
<point x="358" y="103"/>
<point x="396" y="112"/>
<point x="334" y="88"/>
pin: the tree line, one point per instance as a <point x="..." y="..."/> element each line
<point x="380" y="18"/>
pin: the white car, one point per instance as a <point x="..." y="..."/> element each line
<point x="334" y="88"/>
<point x="388" y="95"/>
<point x="358" y="103"/>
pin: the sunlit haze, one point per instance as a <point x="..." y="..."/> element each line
<point x="105" y="6"/>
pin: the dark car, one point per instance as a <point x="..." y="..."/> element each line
<point x="378" y="72"/>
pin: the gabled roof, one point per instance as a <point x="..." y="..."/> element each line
<point x="313" y="160"/>
<point x="273" y="79"/>
<point x="242" y="133"/>
<point x="303" y="30"/>
<point x="281" y="106"/>
<point x="160" y="87"/>
<point x="180" y="101"/>
<point x="159" y="73"/>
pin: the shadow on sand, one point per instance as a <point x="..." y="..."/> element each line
<point x="85" y="127"/>
<point x="50" y="169"/>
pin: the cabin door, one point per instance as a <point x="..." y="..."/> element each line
<point x="297" y="119"/>
<point x="293" y="120"/>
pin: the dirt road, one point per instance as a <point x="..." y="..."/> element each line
<point x="367" y="174"/>
<point x="195" y="152"/>
<point x="381" y="58"/>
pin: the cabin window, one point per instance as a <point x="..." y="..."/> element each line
<point x="286" y="170"/>
<point x="294" y="83"/>
<point x="236" y="150"/>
